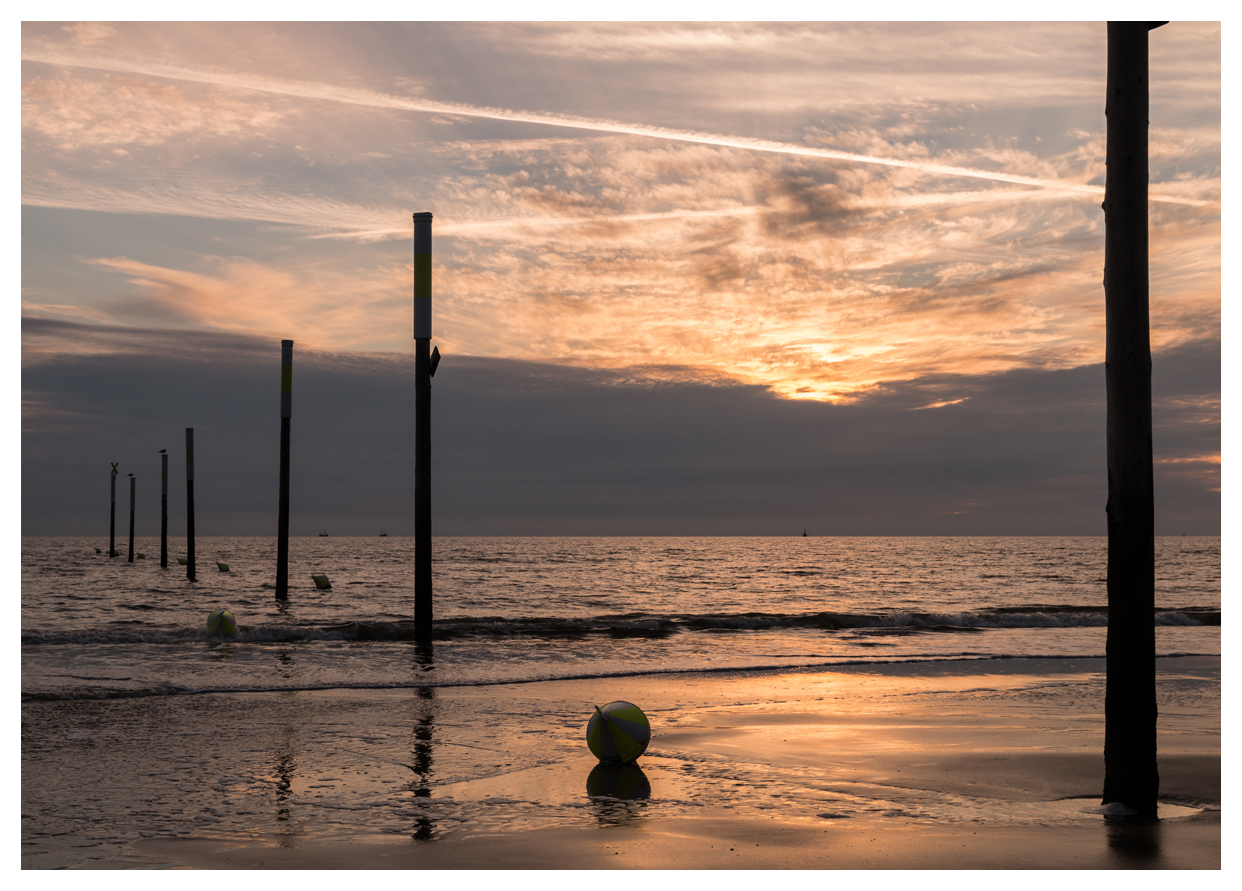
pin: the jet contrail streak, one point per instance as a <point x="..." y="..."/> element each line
<point x="371" y="99"/>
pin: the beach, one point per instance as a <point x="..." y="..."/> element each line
<point x="968" y="764"/>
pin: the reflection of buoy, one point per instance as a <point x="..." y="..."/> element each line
<point x="625" y="782"/>
<point x="223" y="567"/>
<point x="618" y="732"/>
<point x="321" y="582"/>
<point x="221" y="622"/>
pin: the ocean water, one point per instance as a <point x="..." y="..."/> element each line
<point x="525" y="609"/>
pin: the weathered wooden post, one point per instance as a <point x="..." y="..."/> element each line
<point x="189" y="504"/>
<point x="422" y="427"/>
<point x="112" y="519"/>
<point x="132" y="482"/>
<point x="1130" y="774"/>
<point x="282" y="522"/>
<point x="163" y="508"/>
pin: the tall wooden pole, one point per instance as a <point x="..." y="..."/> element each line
<point x="422" y="427"/>
<point x="132" y="483"/>
<point x="112" y="517"/>
<point x="189" y="504"/>
<point x="282" y="523"/>
<point x="163" y="509"/>
<point x="1130" y="774"/>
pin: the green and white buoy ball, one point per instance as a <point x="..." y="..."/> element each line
<point x="618" y="732"/>
<point x="221" y="622"/>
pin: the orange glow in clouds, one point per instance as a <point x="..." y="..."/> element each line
<point x="852" y="237"/>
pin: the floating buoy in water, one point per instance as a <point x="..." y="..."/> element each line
<point x="221" y="622"/>
<point x="181" y="560"/>
<point x="618" y="732"/>
<point x="321" y="582"/>
<point x="98" y="550"/>
<point x="223" y="567"/>
<point x="142" y="556"/>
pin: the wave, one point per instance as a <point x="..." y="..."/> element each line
<point x="817" y="664"/>
<point x="632" y="625"/>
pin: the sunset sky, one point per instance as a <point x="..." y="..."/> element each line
<point x="689" y="278"/>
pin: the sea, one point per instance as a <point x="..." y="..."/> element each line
<point x="517" y="610"/>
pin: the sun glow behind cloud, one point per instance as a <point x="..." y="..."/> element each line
<point x="885" y="245"/>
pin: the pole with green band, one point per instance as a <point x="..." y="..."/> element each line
<point x="189" y="504"/>
<point x="286" y="412"/>
<point x="422" y="427"/>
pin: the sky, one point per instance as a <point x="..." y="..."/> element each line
<point x="689" y="278"/>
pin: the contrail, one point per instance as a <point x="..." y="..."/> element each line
<point x="372" y="99"/>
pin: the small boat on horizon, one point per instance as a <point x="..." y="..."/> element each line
<point x="383" y="534"/>
<point x="323" y="534"/>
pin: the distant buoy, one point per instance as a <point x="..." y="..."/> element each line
<point x="98" y="550"/>
<point x="181" y="560"/>
<point x="221" y="622"/>
<point x="618" y="732"/>
<point x="223" y="567"/>
<point x="321" y="582"/>
<point x="142" y="556"/>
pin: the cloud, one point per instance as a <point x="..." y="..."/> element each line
<point x="71" y="113"/>
<point x="533" y="448"/>
<point x="51" y="54"/>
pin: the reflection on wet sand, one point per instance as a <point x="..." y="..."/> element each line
<point x="421" y="765"/>
<point x="618" y="792"/>
<point x="286" y="772"/>
<point x="1134" y="842"/>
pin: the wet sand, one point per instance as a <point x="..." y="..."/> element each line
<point x="965" y="765"/>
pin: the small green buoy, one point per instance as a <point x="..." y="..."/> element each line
<point x="223" y="567"/>
<point x="618" y="733"/>
<point x="222" y="623"/>
<point x="321" y="582"/>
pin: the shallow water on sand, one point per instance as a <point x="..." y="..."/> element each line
<point x="1014" y="745"/>
<point x="137" y="723"/>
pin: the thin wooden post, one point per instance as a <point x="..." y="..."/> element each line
<point x="1130" y="773"/>
<point x="189" y="504"/>
<point x="132" y="483"/>
<point x="112" y="517"/>
<point x="163" y="509"/>
<point x="282" y="522"/>
<point x="422" y="428"/>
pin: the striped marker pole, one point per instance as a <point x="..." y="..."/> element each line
<point x="112" y="519"/>
<point x="422" y="427"/>
<point x="282" y="523"/>
<point x="132" y="483"/>
<point x="163" y="509"/>
<point x="189" y="504"/>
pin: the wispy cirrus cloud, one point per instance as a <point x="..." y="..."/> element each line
<point x="374" y="99"/>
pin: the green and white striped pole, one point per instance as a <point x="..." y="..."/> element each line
<point x="189" y="504"/>
<point x="132" y="483"/>
<point x="422" y="428"/>
<point x="282" y="523"/>
<point x="163" y="508"/>
<point x="112" y="518"/>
